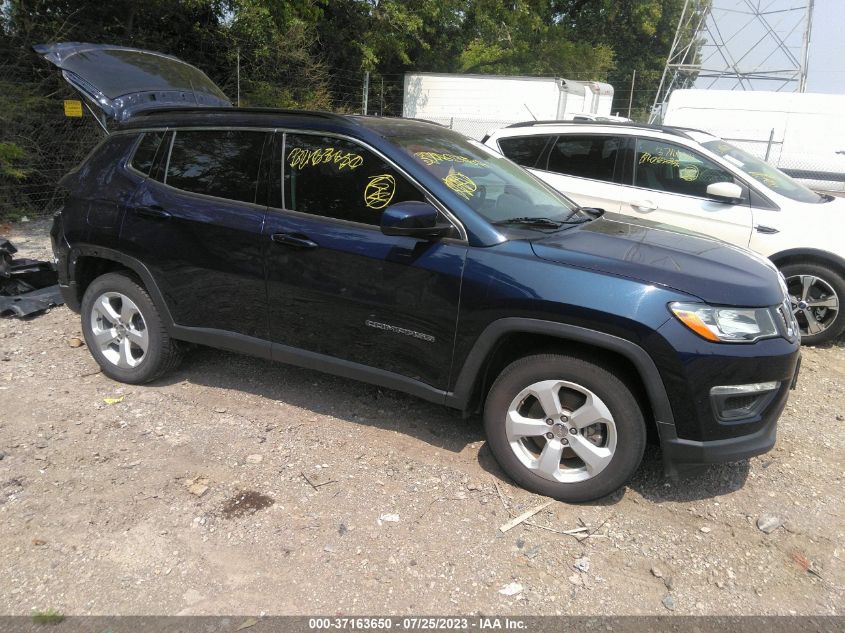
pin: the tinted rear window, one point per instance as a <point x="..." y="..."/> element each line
<point x="145" y="152"/>
<point x="221" y="163"/>
<point x="524" y="150"/>
<point x="585" y="156"/>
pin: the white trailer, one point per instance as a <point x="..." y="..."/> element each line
<point x="802" y="134"/>
<point x="476" y="104"/>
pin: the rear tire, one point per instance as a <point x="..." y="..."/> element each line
<point x="564" y="427"/>
<point x="124" y="331"/>
<point x="816" y="293"/>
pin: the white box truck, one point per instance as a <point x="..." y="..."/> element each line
<point x="476" y="104"/>
<point x="802" y="134"/>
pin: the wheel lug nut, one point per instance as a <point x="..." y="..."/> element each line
<point x="550" y="435"/>
<point x="565" y="442"/>
<point x="564" y="418"/>
<point x="549" y="421"/>
<point x="574" y="431"/>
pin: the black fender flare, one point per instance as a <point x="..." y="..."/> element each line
<point x="135" y="265"/>
<point x="493" y="333"/>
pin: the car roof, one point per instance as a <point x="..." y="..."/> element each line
<point x="275" y="117"/>
<point x="569" y="126"/>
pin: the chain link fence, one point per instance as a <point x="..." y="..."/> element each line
<point x="42" y="165"/>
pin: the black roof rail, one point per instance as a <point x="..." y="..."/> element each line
<point x="233" y="110"/>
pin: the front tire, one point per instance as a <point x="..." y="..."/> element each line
<point x="564" y="427"/>
<point x="816" y="293"/>
<point x="124" y="331"/>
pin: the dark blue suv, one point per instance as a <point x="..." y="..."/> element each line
<point x="403" y="254"/>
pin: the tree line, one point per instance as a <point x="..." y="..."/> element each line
<point x="313" y="54"/>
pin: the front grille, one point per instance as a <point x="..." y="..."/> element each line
<point x="787" y="320"/>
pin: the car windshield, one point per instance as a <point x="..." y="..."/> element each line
<point x="496" y="188"/>
<point x="763" y="173"/>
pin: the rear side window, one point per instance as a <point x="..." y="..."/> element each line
<point x="585" y="156"/>
<point x="524" y="150"/>
<point x="146" y="150"/>
<point x="335" y="178"/>
<point x="220" y="163"/>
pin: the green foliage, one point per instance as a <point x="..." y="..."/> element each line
<point x="310" y="54"/>
<point x="49" y="616"/>
<point x="10" y="157"/>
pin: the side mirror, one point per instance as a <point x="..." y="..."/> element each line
<point x="413" y="219"/>
<point x="724" y="191"/>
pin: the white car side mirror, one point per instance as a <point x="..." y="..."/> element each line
<point x="724" y="191"/>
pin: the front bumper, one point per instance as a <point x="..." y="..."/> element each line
<point x="700" y="434"/>
<point x="71" y="297"/>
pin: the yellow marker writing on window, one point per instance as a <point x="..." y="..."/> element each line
<point x="379" y="191"/>
<point x="300" y="158"/>
<point x="435" y="158"/>
<point x="461" y="184"/>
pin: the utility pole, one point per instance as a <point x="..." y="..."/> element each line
<point x="382" y="97"/>
<point x="631" y="98"/>
<point x="366" y="92"/>
<point x="238" y="73"/>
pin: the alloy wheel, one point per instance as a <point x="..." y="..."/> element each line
<point x="119" y="329"/>
<point x="561" y="431"/>
<point x="814" y="302"/>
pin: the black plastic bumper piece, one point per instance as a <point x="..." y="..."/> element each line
<point x="70" y="296"/>
<point x="680" y="452"/>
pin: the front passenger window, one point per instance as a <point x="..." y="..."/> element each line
<point x="335" y="178"/>
<point x="674" y="169"/>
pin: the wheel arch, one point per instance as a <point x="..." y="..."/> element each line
<point x="495" y="344"/>
<point x="86" y="263"/>
<point x="816" y="256"/>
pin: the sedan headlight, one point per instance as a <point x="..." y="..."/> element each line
<point x="726" y="325"/>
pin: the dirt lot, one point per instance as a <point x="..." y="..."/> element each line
<point x="240" y="486"/>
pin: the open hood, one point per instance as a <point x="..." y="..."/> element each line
<point x="123" y="81"/>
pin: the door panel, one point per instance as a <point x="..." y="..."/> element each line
<point x="205" y="251"/>
<point x="587" y="193"/>
<point x="670" y="183"/>
<point x="344" y="289"/>
<point x="359" y="295"/>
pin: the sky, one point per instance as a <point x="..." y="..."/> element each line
<point x="749" y="47"/>
<point x="826" y="68"/>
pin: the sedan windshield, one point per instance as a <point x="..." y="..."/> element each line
<point x="763" y="173"/>
<point x="496" y="188"/>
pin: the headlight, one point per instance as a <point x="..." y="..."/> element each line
<point x="727" y="325"/>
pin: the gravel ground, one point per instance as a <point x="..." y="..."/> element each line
<point x="238" y="486"/>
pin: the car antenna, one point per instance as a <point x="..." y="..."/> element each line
<point x="529" y="111"/>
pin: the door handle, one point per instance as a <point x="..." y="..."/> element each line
<point x="293" y="239"/>
<point x="644" y="205"/>
<point x="155" y="212"/>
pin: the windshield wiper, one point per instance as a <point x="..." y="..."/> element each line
<point x="545" y="222"/>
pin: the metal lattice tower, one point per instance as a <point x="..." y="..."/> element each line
<point x="738" y="45"/>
